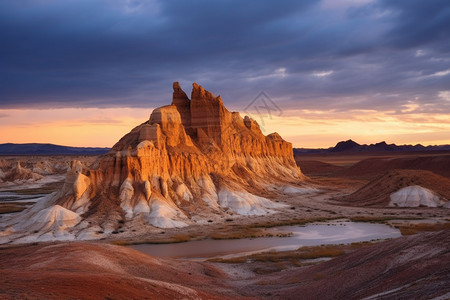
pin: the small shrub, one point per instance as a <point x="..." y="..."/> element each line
<point x="120" y="243"/>
<point x="180" y="238"/>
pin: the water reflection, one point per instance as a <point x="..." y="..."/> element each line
<point x="310" y="235"/>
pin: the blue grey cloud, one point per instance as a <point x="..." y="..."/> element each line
<point x="126" y="53"/>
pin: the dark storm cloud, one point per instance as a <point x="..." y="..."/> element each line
<point x="419" y="23"/>
<point x="303" y="53"/>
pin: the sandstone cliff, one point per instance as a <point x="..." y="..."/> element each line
<point x="190" y="159"/>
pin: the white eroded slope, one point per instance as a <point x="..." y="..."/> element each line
<point x="244" y="203"/>
<point x="414" y="196"/>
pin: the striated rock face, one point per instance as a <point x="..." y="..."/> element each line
<point x="193" y="157"/>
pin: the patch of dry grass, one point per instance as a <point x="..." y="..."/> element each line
<point x="274" y="261"/>
<point x="121" y="243"/>
<point x="410" y="229"/>
<point x="320" y="251"/>
<point x="180" y="238"/>
<point x="242" y="232"/>
<point x="294" y="256"/>
<point x="357" y="245"/>
<point x="271" y="268"/>
<point x="293" y="222"/>
<point x="380" y="219"/>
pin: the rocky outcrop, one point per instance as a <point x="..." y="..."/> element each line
<point x="191" y="157"/>
<point x="19" y="173"/>
<point x="23" y="170"/>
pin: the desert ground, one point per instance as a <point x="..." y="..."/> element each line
<point x="414" y="266"/>
<point x="225" y="149"/>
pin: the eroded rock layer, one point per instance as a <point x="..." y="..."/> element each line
<point x="190" y="158"/>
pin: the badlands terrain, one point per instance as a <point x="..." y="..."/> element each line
<point x="196" y="171"/>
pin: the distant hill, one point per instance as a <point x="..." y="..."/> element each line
<point x="352" y="146"/>
<point x="48" y="149"/>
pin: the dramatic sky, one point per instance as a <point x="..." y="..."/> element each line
<point x="84" y="72"/>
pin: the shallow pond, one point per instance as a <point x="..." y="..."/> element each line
<point x="337" y="232"/>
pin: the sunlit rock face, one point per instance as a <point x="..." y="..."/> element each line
<point x="193" y="156"/>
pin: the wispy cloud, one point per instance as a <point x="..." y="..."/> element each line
<point x="278" y="73"/>
<point x="441" y="73"/>
<point x="445" y="95"/>
<point x="323" y="73"/>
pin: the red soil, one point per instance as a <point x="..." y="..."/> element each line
<point x="100" y="271"/>
<point x="414" y="267"/>
<point x="315" y="167"/>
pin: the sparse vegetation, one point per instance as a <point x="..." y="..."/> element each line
<point x="267" y="269"/>
<point x="240" y="233"/>
<point x="293" y="222"/>
<point x="180" y="238"/>
<point x="294" y="256"/>
<point x="380" y="219"/>
<point x="410" y="229"/>
<point x="320" y="251"/>
<point x="120" y="243"/>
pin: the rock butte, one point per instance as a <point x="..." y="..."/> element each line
<point x="191" y="158"/>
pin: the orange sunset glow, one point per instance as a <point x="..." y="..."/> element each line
<point x="369" y="70"/>
<point x="102" y="127"/>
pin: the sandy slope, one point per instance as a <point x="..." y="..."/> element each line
<point x="414" y="267"/>
<point x="315" y="167"/>
<point x="100" y="271"/>
<point x="377" y="192"/>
